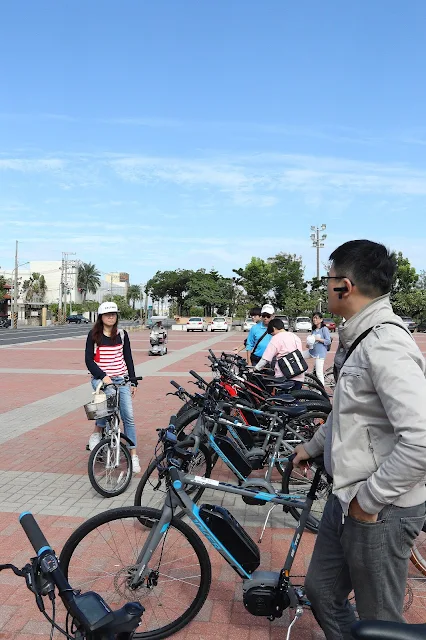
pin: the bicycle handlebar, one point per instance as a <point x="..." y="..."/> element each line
<point x="33" y="532"/>
<point x="197" y="377"/>
<point x="88" y="609"/>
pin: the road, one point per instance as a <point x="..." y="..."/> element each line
<point x="36" y="334"/>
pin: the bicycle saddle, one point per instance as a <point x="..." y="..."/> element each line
<point x="292" y="412"/>
<point x="381" y="630"/>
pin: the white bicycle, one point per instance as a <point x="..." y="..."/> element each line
<point x="110" y="463"/>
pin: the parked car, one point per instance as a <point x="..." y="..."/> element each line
<point x="248" y="324"/>
<point x="285" y="321"/>
<point x="421" y="327"/>
<point x="330" y="324"/>
<point x="219" y="324"/>
<point x="196" y="324"/>
<point x="78" y="319"/>
<point x="409" y="323"/>
<point x="303" y="323"/>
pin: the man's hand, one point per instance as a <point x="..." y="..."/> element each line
<point x="301" y="455"/>
<point x="357" y="513"/>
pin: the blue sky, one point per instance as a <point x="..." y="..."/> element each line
<point x="178" y="133"/>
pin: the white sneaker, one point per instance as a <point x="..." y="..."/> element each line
<point x="94" y="439"/>
<point x="136" y="464"/>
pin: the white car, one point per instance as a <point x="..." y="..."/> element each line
<point x="219" y="324"/>
<point x="248" y="324"/>
<point x="196" y="324"/>
<point x="303" y="324"/>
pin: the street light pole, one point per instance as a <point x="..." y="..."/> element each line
<point x="318" y="242"/>
<point x="140" y="301"/>
<point x="15" y="290"/>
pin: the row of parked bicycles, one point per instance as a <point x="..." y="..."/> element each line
<point x="234" y="434"/>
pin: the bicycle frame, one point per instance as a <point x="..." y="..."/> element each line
<point x="177" y="497"/>
<point x="230" y="426"/>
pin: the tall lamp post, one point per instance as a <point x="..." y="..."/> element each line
<point x="318" y="242"/>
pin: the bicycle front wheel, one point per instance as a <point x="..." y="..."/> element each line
<point x="101" y="556"/>
<point x="106" y="477"/>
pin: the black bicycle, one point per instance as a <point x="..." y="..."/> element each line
<point x="89" y="617"/>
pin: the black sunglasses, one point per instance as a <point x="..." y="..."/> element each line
<point x="266" y="315"/>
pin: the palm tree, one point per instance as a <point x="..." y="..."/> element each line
<point x="35" y="288"/>
<point x="133" y="294"/>
<point x="88" y="279"/>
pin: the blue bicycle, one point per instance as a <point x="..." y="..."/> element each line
<point x="148" y="555"/>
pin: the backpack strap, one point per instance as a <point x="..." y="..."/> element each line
<point x="259" y="341"/>
<point x="365" y="334"/>
<point x="121" y="334"/>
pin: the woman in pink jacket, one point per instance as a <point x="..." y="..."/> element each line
<point x="281" y="344"/>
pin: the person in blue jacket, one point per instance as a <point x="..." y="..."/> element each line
<point x="318" y="350"/>
<point x="258" y="337"/>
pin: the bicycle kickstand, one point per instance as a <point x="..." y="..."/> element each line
<point x="297" y="616"/>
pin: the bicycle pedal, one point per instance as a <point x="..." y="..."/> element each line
<point x="87" y="447"/>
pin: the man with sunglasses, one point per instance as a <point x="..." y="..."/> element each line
<point x="258" y="337"/>
<point x="374" y="446"/>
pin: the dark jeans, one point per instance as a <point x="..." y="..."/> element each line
<point x="369" y="558"/>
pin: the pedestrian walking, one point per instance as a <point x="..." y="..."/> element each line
<point x="319" y="347"/>
<point x="374" y="444"/>
<point x="109" y="358"/>
<point x="258" y="337"/>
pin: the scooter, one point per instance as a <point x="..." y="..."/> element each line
<point x="158" y="341"/>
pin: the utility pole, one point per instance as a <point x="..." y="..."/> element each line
<point x="318" y="242"/>
<point x="146" y="307"/>
<point x="15" y="290"/>
<point x="140" y="301"/>
<point x="67" y="266"/>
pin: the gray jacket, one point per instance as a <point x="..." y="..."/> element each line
<point x="378" y="422"/>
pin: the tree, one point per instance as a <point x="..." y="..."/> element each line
<point x="133" y="294"/>
<point x="3" y="290"/>
<point x="287" y="278"/>
<point x="210" y="291"/>
<point x="88" y="279"/>
<point x="255" y="278"/>
<point x="35" y="288"/>
<point x="411" y="303"/>
<point x="421" y="282"/>
<point x="406" y="276"/>
<point x="173" y="284"/>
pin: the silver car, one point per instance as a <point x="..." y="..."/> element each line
<point x="248" y="324"/>
<point x="196" y="324"/>
<point x="219" y="324"/>
<point x="286" y="322"/>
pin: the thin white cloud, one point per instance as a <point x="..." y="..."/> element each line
<point x="32" y="165"/>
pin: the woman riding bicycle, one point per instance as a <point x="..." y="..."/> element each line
<point x="109" y="358"/>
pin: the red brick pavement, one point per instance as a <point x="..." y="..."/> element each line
<point x="43" y="450"/>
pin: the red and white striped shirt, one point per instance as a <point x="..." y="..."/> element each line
<point x="111" y="360"/>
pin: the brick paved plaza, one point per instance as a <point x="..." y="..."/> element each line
<point x="43" y="468"/>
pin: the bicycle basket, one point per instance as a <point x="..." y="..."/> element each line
<point x="96" y="410"/>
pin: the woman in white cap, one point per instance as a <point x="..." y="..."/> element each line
<point x="109" y="358"/>
<point x="318" y="343"/>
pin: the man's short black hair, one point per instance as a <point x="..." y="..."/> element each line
<point x="256" y="311"/>
<point x="275" y="323"/>
<point x="370" y="266"/>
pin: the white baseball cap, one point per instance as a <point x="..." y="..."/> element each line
<point x="107" y="307"/>
<point x="268" y="308"/>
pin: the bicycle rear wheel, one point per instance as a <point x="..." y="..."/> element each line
<point x="106" y="478"/>
<point x="101" y="556"/>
